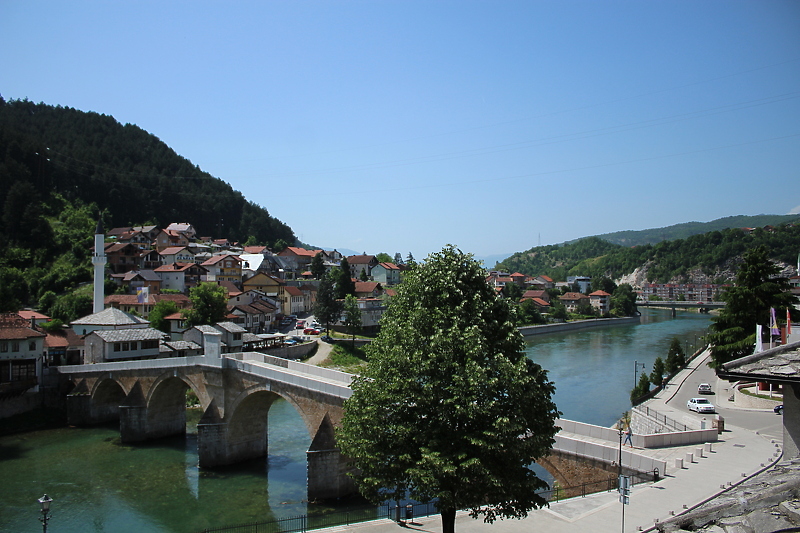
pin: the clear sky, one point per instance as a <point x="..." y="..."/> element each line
<point x="403" y="126"/>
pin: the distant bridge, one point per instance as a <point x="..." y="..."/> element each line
<point x="704" y="307"/>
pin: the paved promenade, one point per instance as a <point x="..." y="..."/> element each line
<point x="737" y="456"/>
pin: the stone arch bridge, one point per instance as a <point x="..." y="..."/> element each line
<point x="235" y="392"/>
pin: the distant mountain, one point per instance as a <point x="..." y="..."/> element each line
<point x="687" y="229"/>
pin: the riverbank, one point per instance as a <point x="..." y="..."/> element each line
<point x="530" y="331"/>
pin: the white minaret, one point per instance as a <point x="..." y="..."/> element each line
<point x="99" y="262"/>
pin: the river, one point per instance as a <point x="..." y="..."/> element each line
<point x="99" y="484"/>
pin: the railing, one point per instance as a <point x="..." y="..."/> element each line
<point x="408" y="512"/>
<point x="662" y="419"/>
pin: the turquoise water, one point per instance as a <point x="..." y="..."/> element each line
<point x="99" y="484"/>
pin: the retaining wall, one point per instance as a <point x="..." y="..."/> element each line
<point x="530" y="331"/>
<point x="741" y="399"/>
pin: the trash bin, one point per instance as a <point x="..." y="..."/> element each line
<point x="409" y="512"/>
<point x="719" y="424"/>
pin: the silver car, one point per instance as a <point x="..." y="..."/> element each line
<point x="701" y="405"/>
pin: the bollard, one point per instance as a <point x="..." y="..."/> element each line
<point x="699" y="452"/>
<point x="689" y="457"/>
<point x="678" y="463"/>
<point x="708" y="447"/>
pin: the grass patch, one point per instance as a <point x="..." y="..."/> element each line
<point x="776" y="396"/>
<point x="345" y="358"/>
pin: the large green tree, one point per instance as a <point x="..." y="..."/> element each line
<point x="209" y="305"/>
<point x="448" y="406"/>
<point x="623" y="301"/>
<point x="758" y="288"/>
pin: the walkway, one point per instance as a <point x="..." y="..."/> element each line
<point x="736" y="457"/>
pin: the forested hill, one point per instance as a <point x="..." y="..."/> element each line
<point x="708" y="257"/>
<point x="127" y="172"/>
<point x="687" y="229"/>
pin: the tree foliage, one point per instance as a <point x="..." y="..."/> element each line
<point x="352" y="315"/>
<point x="317" y="266"/>
<point x="344" y="284"/>
<point x="757" y="289"/>
<point x="659" y="369"/>
<point x="623" y="301"/>
<point x="448" y="406"/>
<point x="209" y="305"/>
<point x="163" y="308"/>
<point x="676" y="356"/>
<point x="666" y="261"/>
<point x="61" y="169"/>
<point x="326" y="308"/>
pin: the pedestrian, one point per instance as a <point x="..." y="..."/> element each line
<point x="628" y="435"/>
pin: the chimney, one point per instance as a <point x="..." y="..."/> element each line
<point x="211" y="344"/>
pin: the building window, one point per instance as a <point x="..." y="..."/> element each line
<point x="15" y="346"/>
<point x="125" y="347"/>
<point x="117" y="346"/>
<point x="3" y="346"/>
<point x="32" y="346"/>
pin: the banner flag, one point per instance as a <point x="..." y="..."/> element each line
<point x="773" y="322"/>
<point x="788" y="322"/>
<point x="759" y="346"/>
<point x="142" y="293"/>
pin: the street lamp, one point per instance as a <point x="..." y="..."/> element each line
<point x="45" y="503"/>
<point x="636" y="366"/>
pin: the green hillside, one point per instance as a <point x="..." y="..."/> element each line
<point x="687" y="229"/>
<point x="714" y="254"/>
<point x="61" y="169"/>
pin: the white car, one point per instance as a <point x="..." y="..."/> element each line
<point x="701" y="405"/>
<point x="704" y="388"/>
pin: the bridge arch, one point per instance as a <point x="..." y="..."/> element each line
<point x="106" y="396"/>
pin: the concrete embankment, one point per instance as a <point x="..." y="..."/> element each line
<point x="530" y="331"/>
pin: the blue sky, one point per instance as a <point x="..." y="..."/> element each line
<point x="403" y="126"/>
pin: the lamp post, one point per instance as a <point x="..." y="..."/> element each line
<point x="636" y="366"/>
<point x="45" y="503"/>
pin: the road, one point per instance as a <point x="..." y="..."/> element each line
<point x="763" y="421"/>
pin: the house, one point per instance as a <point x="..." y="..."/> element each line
<point x="33" y="317"/>
<point x="541" y="294"/>
<point x="121" y="345"/>
<point x="387" y="274"/>
<point x="601" y="301"/>
<point x="176" y="254"/>
<point x="167" y="238"/>
<point x="573" y="300"/>
<point x="107" y="319"/>
<point x="179" y="348"/>
<point x="299" y="259"/>
<point x="231" y="336"/>
<point x="150" y="232"/>
<point x="141" y="304"/>
<point x="582" y="282"/>
<point x="137" y="279"/>
<point x="255" y="318"/>
<point x="361" y="263"/>
<point x="184" y="228"/>
<point x="541" y="282"/>
<point x="180" y="276"/>
<point x="776" y="366"/>
<point x="271" y="286"/>
<point x="63" y="347"/>
<point x="224" y="267"/>
<point x="297" y="301"/>
<point x="138" y="238"/>
<point x="368" y="289"/>
<point x="372" y="310"/>
<point x="21" y="354"/>
<point x="122" y="257"/>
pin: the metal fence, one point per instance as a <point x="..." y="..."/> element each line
<point x="407" y="512"/>
<point x="662" y="419"/>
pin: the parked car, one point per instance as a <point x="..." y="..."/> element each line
<point x="300" y="324"/>
<point x="701" y="405"/>
<point x="778" y="409"/>
<point x="290" y="342"/>
<point x="704" y="388"/>
<point x="311" y="331"/>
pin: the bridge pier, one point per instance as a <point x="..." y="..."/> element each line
<point x="328" y="469"/>
<point x="138" y="422"/>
